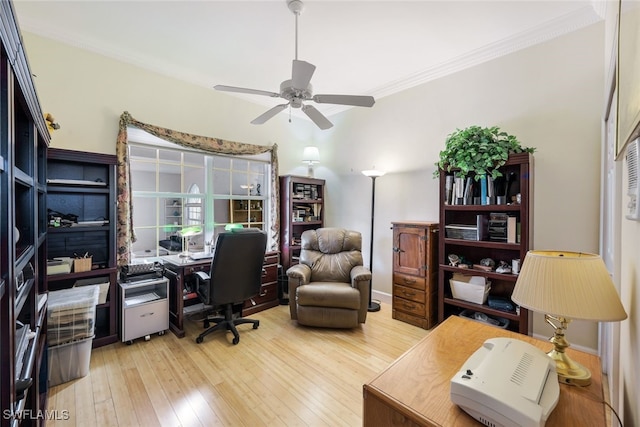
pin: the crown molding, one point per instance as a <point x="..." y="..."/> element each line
<point x="550" y="30"/>
<point x="562" y="25"/>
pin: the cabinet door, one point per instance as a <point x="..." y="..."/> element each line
<point x="409" y="255"/>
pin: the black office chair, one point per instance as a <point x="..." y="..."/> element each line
<point x="235" y="277"/>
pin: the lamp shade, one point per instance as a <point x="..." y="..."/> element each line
<point x="573" y="285"/>
<point x="372" y="173"/>
<point x="311" y="155"/>
<point x="190" y="231"/>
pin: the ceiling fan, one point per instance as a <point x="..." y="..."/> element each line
<point x="298" y="89"/>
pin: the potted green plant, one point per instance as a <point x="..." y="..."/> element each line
<point x="478" y="150"/>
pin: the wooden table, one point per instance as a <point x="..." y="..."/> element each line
<point x="414" y="390"/>
<point x="180" y="271"/>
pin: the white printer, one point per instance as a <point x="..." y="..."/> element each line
<point x="507" y="382"/>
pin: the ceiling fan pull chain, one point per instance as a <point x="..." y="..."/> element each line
<point x="296" y="35"/>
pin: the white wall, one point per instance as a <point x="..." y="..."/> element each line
<point x="548" y="95"/>
<point x="627" y="398"/>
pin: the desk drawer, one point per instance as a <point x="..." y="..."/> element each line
<point x="271" y="274"/>
<point x="409" y="306"/>
<point x="411" y="281"/>
<point x="271" y="258"/>
<point x="412" y="294"/>
<point x="145" y="319"/>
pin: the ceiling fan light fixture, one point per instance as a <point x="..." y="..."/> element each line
<point x="295" y="6"/>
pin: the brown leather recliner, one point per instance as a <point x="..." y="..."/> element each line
<point x="330" y="286"/>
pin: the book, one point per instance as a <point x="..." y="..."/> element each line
<point x="459" y="190"/>
<point x="468" y="191"/>
<point x="448" y="187"/>
<point x="483" y="191"/>
<point x="490" y="191"/>
<point x="482" y="223"/>
<point x="511" y="229"/>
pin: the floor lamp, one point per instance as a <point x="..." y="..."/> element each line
<point x="373" y="174"/>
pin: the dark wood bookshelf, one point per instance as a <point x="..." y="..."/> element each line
<point x="502" y="284"/>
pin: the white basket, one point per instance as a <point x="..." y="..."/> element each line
<point x="470" y="292"/>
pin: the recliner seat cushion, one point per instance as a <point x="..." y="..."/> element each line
<point x="328" y="294"/>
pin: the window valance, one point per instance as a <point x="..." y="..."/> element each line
<point x="124" y="227"/>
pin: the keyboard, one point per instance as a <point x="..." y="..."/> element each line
<point x="200" y="255"/>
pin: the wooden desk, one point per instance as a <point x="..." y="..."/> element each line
<point x="180" y="270"/>
<point x="414" y="390"/>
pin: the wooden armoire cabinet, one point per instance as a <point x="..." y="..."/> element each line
<point x="415" y="272"/>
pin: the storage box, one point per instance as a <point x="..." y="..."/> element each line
<point x="470" y="288"/>
<point x="82" y="264"/>
<point x="61" y="265"/>
<point x="69" y="361"/>
<point x="71" y="314"/>
<point x="102" y="282"/>
<point x="461" y="231"/>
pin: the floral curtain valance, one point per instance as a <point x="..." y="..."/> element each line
<point x="125" y="233"/>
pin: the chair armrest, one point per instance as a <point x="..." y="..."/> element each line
<point x="201" y="275"/>
<point x="360" y="273"/>
<point x="361" y="280"/>
<point x="301" y="272"/>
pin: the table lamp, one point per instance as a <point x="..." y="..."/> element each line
<point x="310" y="156"/>
<point x="566" y="286"/>
<point x="185" y="233"/>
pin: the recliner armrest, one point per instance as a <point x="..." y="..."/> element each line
<point x="301" y="272"/>
<point x="360" y="273"/>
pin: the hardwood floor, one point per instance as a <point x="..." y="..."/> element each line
<point x="280" y="374"/>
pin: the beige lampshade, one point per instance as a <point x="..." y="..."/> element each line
<point x="573" y="285"/>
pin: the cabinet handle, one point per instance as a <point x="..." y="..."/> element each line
<point x="409" y="281"/>
<point x="397" y="249"/>
<point x="409" y="294"/>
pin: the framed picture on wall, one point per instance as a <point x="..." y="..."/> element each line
<point x="628" y="73"/>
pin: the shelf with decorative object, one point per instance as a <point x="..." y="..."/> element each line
<point x="248" y="212"/>
<point x="486" y="241"/>
<point x="81" y="202"/>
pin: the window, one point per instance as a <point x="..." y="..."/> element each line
<point x="185" y="197"/>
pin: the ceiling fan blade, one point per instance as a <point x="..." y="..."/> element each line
<point x="268" y="114"/>
<point x="316" y="116"/>
<point x="245" y="90"/>
<point x="355" y="100"/>
<point x="301" y="74"/>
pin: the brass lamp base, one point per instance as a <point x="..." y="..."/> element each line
<point x="569" y="371"/>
